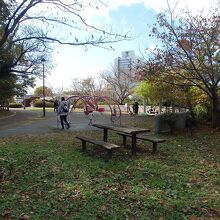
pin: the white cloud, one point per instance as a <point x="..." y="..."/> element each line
<point x="192" y="5"/>
<point x="117" y="3"/>
<point x="158" y="5"/>
<point x="77" y="63"/>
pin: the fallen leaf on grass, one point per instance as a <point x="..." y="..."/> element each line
<point x="193" y="218"/>
<point x="105" y="209"/>
<point x="7" y="216"/>
<point x="24" y="217"/>
<point x="215" y="211"/>
<point x="193" y="180"/>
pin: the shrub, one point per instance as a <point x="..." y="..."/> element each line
<point x="39" y="103"/>
<point x="170" y="119"/>
<point x="201" y="113"/>
<point x="15" y="105"/>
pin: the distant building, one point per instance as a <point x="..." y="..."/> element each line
<point x="18" y="99"/>
<point x="126" y="61"/>
<point x="26" y="100"/>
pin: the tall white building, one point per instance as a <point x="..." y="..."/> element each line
<point x="125" y="73"/>
<point x="126" y="61"/>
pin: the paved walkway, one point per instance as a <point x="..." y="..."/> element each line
<point x="32" y="122"/>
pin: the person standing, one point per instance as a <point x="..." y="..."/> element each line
<point x="135" y="107"/>
<point x="55" y="105"/>
<point x="62" y="111"/>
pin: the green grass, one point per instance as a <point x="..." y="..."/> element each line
<point x="40" y="109"/>
<point x="48" y="177"/>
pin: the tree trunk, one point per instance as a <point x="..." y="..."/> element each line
<point x="145" y="104"/>
<point x="172" y="108"/>
<point x="215" y="111"/>
<point x="160" y="107"/>
<point x="190" y="105"/>
<point x="191" y="110"/>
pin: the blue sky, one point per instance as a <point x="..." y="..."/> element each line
<point x="135" y="16"/>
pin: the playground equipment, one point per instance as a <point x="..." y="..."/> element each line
<point x="96" y="104"/>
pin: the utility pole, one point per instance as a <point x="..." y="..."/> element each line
<point x="43" y="60"/>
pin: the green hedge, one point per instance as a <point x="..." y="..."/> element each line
<point x="39" y="103"/>
<point x="201" y="113"/>
<point x="15" y="105"/>
<point x="170" y="119"/>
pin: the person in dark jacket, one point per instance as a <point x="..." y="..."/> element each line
<point x="135" y="107"/>
<point x="63" y="113"/>
<point x="190" y="124"/>
<point x="55" y="105"/>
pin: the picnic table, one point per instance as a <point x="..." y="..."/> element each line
<point x="133" y="131"/>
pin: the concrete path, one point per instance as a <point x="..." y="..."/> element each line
<point x="32" y="122"/>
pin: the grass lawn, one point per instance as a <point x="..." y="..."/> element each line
<point x="48" y="177"/>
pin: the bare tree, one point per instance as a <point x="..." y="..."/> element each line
<point x="30" y="28"/>
<point x="83" y="86"/>
<point x="57" y="92"/>
<point x="120" y="82"/>
<point x="100" y="86"/>
<point x="89" y="86"/>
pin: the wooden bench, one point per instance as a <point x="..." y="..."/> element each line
<point x="149" y="138"/>
<point x="108" y="146"/>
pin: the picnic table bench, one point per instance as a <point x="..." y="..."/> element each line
<point x="132" y="131"/>
<point x="155" y="140"/>
<point x="107" y="146"/>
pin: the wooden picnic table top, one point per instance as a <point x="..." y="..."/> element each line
<point x="124" y="129"/>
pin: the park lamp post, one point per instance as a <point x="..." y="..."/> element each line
<point x="43" y="60"/>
